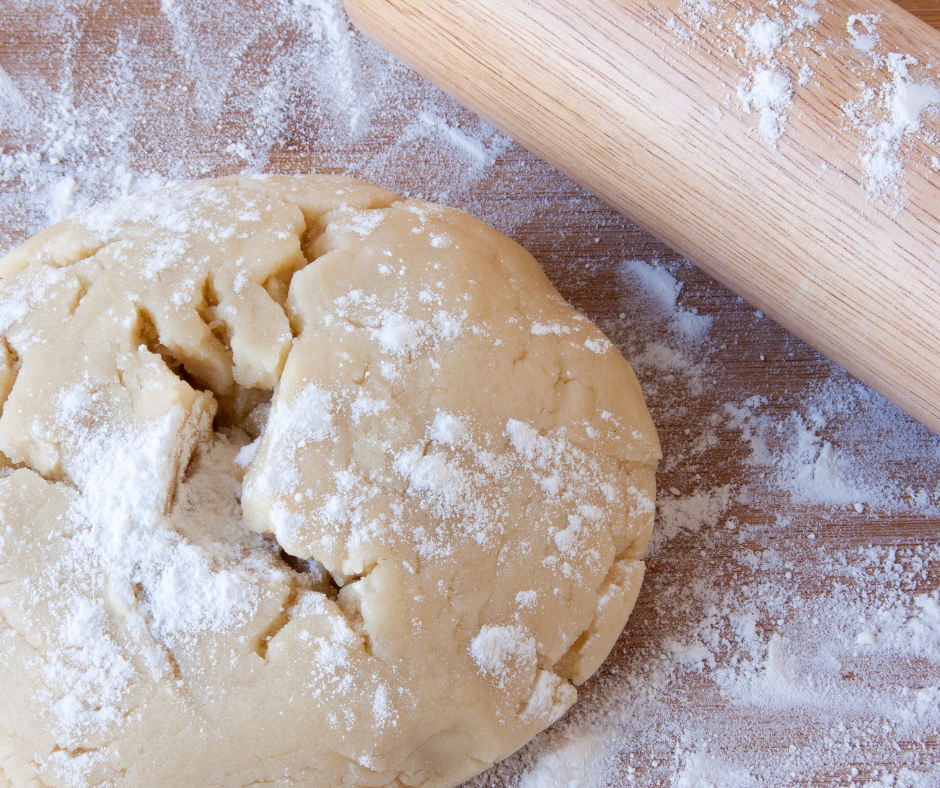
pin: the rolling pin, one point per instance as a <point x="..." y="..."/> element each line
<point x="790" y="153"/>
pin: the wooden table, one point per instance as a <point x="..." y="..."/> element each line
<point x="749" y="557"/>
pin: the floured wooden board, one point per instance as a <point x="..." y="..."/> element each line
<point x="788" y="631"/>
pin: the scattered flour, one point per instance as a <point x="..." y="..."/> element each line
<point x="661" y="291"/>
<point x="768" y="89"/>
<point x="818" y="662"/>
<point x="780" y="47"/>
<point x="496" y="647"/>
<point x="172" y="575"/>
<point x="789" y="654"/>
<point x="800" y="461"/>
<point x="863" y="30"/>
<point x="770" y="92"/>
<point x="194" y="89"/>
<point x="891" y="116"/>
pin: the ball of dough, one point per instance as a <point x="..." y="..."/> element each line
<point x="302" y="484"/>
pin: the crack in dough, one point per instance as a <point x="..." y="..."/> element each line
<point x="302" y="481"/>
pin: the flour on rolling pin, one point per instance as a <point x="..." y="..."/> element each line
<point x="779" y="50"/>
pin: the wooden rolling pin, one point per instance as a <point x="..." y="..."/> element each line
<point x="745" y="140"/>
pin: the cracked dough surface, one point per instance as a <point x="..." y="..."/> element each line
<point x="302" y="484"/>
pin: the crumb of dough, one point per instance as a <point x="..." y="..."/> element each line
<point x="302" y="483"/>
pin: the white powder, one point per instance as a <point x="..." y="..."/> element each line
<point x="443" y="481"/>
<point x="572" y="762"/>
<point x="890" y="113"/>
<point x="526" y="599"/>
<point x="21" y="297"/>
<point x="448" y="430"/>
<point x="364" y="405"/>
<point x="499" y="651"/>
<point x="541" y="329"/>
<point x="294" y="424"/>
<point x="332" y="658"/>
<point x="363" y="222"/>
<point x="660" y="290"/>
<point x="767" y="88"/>
<point x="598" y="346"/>
<point x="203" y="581"/>
<point x="765" y="35"/>
<point x="769" y="93"/>
<point x="169" y="576"/>
<point x="691" y="512"/>
<point x="382" y="709"/>
<point x="542" y="702"/>
<point x="92" y="667"/>
<point x="907" y="102"/>
<point x="458" y="139"/>
<point x="784" y="46"/>
<point x="456" y="476"/>
<point x="862" y="28"/>
<point x="179" y="94"/>
<point x="812" y="658"/>
<point x="403" y="332"/>
<point x="398" y="334"/>
<point x="797" y="460"/>
<point x="61" y="199"/>
<point x="641" y="729"/>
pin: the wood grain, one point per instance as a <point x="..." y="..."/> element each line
<point x="926" y="10"/>
<point x="641" y="116"/>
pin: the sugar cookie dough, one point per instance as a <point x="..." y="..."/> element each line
<point x="302" y="485"/>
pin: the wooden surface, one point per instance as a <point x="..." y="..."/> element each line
<point x="927" y="10"/>
<point x="610" y="95"/>
<point x="761" y="553"/>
